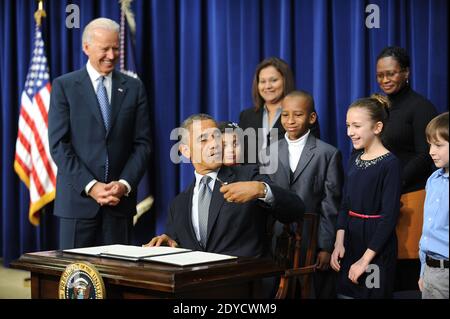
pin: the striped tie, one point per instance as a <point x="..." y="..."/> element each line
<point x="105" y="108"/>
<point x="204" y="199"/>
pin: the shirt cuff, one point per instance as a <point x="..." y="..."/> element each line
<point x="124" y="182"/>
<point x="88" y="187"/>
<point x="422" y="257"/>
<point x="269" y="196"/>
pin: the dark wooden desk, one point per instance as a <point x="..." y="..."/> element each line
<point x="124" y="279"/>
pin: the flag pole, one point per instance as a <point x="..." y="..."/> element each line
<point x="38" y="16"/>
<point x="128" y="66"/>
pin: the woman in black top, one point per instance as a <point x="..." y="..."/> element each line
<point x="272" y="81"/>
<point x="405" y="137"/>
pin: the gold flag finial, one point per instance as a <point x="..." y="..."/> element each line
<point x="125" y="6"/>
<point x="40" y="13"/>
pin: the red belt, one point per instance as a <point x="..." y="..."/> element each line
<point x="350" y="213"/>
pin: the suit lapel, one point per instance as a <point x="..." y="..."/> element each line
<point x="118" y="92"/>
<point x="280" y="128"/>
<point x="257" y="120"/>
<point x="259" y="125"/>
<point x="306" y="156"/>
<point x="217" y="199"/>
<point x="188" y="216"/>
<point x="283" y="157"/>
<point x="88" y="95"/>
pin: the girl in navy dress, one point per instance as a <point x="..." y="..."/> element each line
<point x="365" y="250"/>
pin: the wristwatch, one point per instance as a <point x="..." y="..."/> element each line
<point x="265" y="189"/>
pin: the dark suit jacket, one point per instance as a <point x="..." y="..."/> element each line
<point x="235" y="229"/>
<point x="317" y="180"/>
<point x="79" y="141"/>
<point x="250" y="118"/>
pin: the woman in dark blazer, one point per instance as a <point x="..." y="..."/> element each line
<point x="404" y="136"/>
<point x="273" y="79"/>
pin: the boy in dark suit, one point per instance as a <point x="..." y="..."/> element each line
<point x="313" y="170"/>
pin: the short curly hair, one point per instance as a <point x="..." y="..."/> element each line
<point x="397" y="53"/>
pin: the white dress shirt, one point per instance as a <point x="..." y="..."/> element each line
<point x="95" y="77"/>
<point x="194" y="214"/>
<point x="295" y="149"/>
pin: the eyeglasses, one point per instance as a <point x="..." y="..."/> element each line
<point x="389" y="75"/>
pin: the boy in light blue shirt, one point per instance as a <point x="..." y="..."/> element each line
<point x="434" y="243"/>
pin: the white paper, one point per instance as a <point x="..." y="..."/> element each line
<point x="93" y="251"/>
<point x="139" y="252"/>
<point x="126" y="251"/>
<point x="190" y="258"/>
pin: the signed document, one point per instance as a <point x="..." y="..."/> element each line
<point x="189" y="258"/>
<point x="161" y="254"/>
<point x="127" y="252"/>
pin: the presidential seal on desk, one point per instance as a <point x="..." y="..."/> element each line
<point x="81" y="280"/>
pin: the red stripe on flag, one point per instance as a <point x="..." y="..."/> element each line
<point x="41" y="107"/>
<point x="40" y="146"/>
<point x="22" y="164"/>
<point x="23" y="140"/>
<point x="37" y="182"/>
<point x="40" y="175"/>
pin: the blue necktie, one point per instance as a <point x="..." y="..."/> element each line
<point x="204" y="199"/>
<point x="105" y="108"/>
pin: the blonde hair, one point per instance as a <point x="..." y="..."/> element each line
<point x="377" y="106"/>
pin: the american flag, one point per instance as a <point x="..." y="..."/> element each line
<point x="128" y="66"/>
<point x="33" y="162"/>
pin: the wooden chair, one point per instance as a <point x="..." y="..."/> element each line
<point x="288" y="254"/>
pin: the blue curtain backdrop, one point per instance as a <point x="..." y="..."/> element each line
<point x="199" y="56"/>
